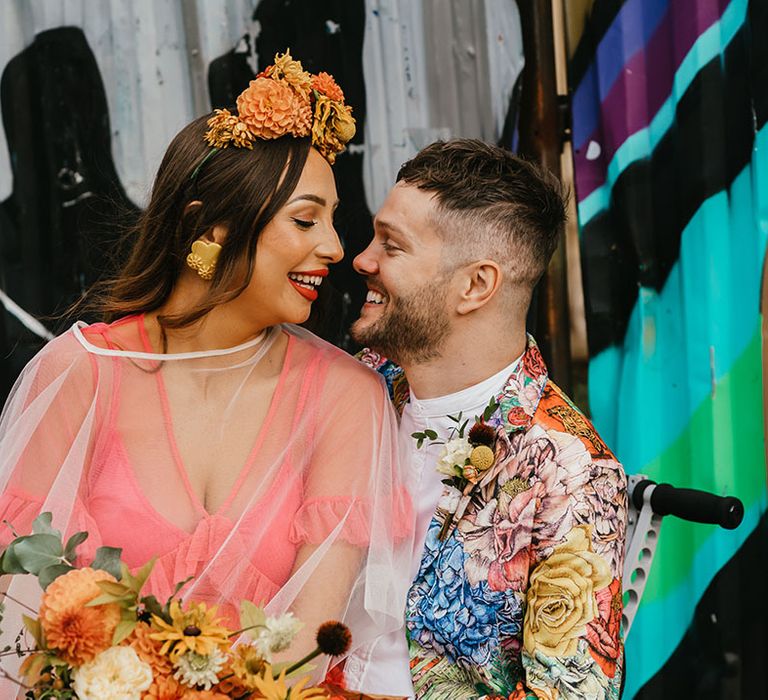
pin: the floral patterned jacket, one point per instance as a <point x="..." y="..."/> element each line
<point x="523" y="598"/>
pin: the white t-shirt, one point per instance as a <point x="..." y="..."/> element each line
<point x="383" y="667"/>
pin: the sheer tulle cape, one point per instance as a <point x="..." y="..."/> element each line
<point x="309" y="514"/>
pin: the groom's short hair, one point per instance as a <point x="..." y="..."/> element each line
<point x="491" y="204"/>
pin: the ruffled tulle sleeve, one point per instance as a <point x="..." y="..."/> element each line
<point x="17" y="511"/>
<point x="318" y="517"/>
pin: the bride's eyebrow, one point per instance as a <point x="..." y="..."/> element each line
<point x="312" y="198"/>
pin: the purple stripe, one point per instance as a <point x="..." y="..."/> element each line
<point x="633" y="25"/>
<point x="643" y="86"/>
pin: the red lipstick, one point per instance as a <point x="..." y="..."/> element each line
<point x="306" y="292"/>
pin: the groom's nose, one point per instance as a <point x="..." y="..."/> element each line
<point x="365" y="263"/>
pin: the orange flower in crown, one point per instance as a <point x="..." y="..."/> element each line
<point x="284" y="99"/>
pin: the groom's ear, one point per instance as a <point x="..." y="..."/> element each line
<point x="479" y="282"/>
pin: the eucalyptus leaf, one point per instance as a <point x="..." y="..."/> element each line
<point x="41" y="525"/>
<point x="50" y="573"/>
<point x="9" y="562"/>
<point x="70" y="549"/>
<point x="39" y="551"/>
<point x="108" y="559"/>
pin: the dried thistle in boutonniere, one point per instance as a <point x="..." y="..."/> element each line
<point x="465" y="456"/>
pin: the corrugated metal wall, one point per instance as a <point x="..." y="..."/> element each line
<point x="152" y="55"/>
<point x="670" y="131"/>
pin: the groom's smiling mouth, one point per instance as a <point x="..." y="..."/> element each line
<point x="375" y="298"/>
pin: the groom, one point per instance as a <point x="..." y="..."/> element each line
<point x="521" y="513"/>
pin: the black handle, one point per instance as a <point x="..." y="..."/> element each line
<point x="691" y="504"/>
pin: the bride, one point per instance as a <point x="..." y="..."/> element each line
<point x="199" y="426"/>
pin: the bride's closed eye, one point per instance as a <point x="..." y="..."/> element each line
<point x="304" y="223"/>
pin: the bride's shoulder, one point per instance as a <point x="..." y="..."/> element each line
<point x="338" y="366"/>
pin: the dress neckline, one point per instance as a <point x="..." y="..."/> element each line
<point x="170" y="432"/>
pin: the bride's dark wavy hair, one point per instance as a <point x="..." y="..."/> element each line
<point x="239" y="188"/>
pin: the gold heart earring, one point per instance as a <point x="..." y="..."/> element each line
<point x="203" y="258"/>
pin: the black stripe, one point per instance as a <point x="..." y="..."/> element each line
<point x="724" y="652"/>
<point x="598" y="22"/>
<point x="637" y="241"/>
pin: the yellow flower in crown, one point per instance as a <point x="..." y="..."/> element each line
<point x="292" y="72"/>
<point x="195" y="629"/>
<point x="284" y="99"/>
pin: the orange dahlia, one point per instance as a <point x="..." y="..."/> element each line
<point x="203" y="695"/>
<point x="77" y="632"/>
<point x="271" y="109"/>
<point x="325" y="84"/>
<point x="164" y="688"/>
<point x="148" y="650"/>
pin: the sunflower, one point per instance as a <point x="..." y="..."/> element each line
<point x="195" y="629"/>
<point x="276" y="689"/>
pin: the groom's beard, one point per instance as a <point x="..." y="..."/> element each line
<point x="410" y="328"/>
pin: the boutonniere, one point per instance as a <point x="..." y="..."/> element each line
<point x="465" y="456"/>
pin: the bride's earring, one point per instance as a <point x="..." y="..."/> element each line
<point x="203" y="258"/>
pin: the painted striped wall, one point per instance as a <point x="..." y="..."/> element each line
<point x="671" y="155"/>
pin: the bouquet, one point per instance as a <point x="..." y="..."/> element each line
<point x="96" y="637"/>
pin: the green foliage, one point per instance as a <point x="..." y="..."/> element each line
<point x="108" y="559"/>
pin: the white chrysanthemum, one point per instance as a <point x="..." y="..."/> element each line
<point x="193" y="669"/>
<point x="455" y="453"/>
<point x="117" y="673"/>
<point x="278" y="634"/>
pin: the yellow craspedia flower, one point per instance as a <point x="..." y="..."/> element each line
<point x="195" y="629"/>
<point x="481" y="457"/>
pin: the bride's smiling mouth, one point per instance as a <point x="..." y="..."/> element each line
<point x="306" y="282"/>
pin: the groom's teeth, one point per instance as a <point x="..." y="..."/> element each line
<point x="374" y="297"/>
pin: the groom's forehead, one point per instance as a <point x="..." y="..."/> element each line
<point x="408" y="210"/>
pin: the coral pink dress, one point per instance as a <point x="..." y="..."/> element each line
<point x="100" y="431"/>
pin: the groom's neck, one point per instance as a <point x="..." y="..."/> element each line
<point x="468" y="355"/>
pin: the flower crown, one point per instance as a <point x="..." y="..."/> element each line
<point x="286" y="99"/>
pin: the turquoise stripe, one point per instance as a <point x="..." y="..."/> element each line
<point x="641" y="144"/>
<point x="680" y="340"/>
<point x="660" y="626"/>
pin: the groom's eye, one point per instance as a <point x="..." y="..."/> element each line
<point x="389" y="247"/>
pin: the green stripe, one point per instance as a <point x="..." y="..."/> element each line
<point x="721" y="450"/>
